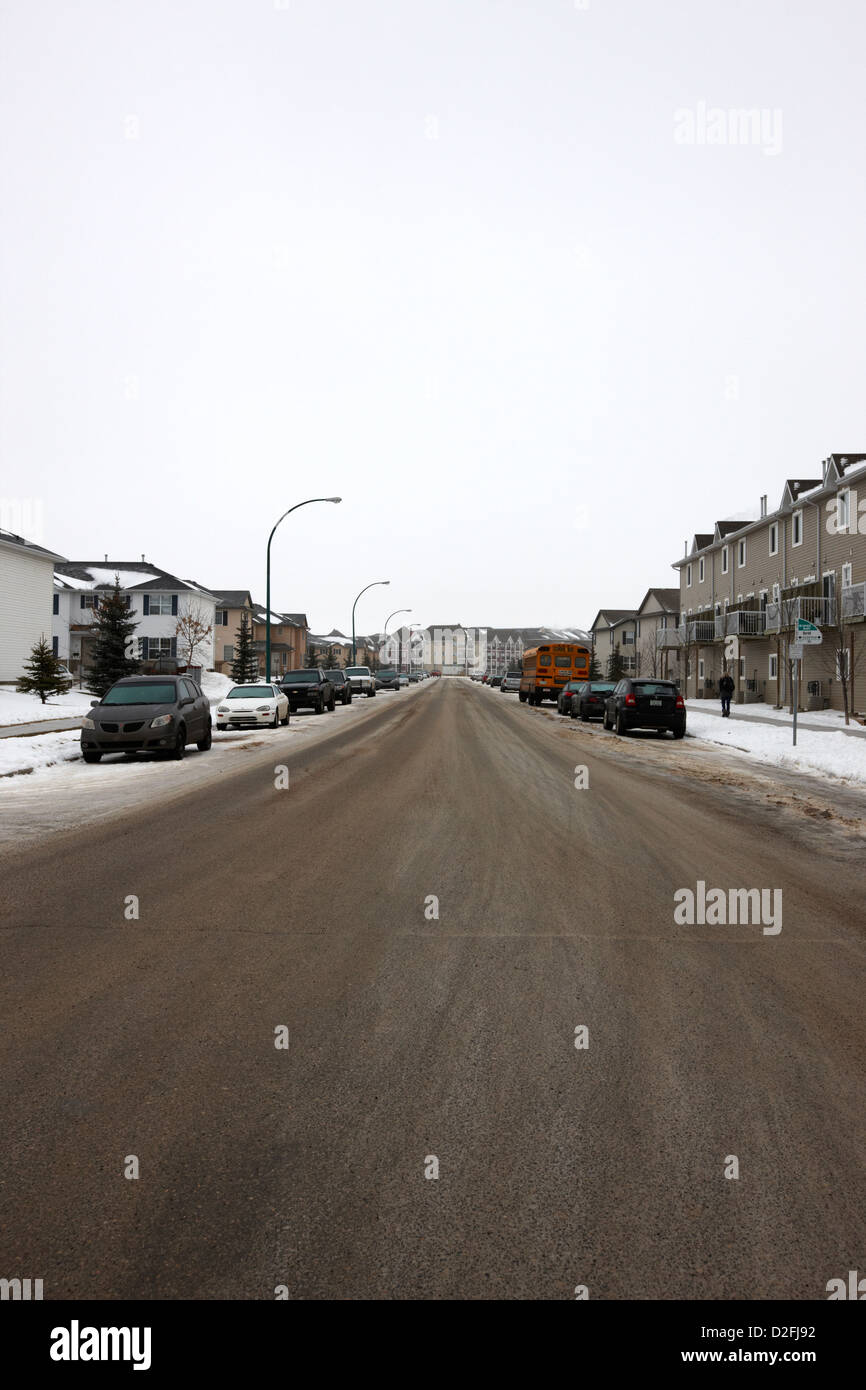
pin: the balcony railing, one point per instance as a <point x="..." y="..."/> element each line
<point x="854" y="602"/>
<point x="746" y="622"/>
<point x="667" y="637"/>
<point x="786" y="611"/>
<point x="701" y="630"/>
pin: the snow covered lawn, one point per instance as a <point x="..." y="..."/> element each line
<point x="832" y="718"/>
<point x="29" y="709"/>
<point x="828" y="754"/>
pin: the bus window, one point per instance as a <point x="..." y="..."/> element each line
<point x="562" y="661"/>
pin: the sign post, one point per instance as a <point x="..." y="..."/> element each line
<point x="807" y="635"/>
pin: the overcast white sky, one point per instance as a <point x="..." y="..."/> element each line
<point x="446" y="258"/>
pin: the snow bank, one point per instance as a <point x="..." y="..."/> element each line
<point x="830" y="754"/>
<point x="38" y="751"/>
<point x="27" y="709"/>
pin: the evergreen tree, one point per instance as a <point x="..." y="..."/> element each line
<point x="615" y="666"/>
<point x="113" y="626"/>
<point x="245" y="665"/>
<point x="43" y="674"/>
<point x="594" y="668"/>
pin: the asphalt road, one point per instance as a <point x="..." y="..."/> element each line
<point x="453" y="1038"/>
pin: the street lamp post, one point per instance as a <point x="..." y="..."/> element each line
<point x="387" y="621"/>
<point x="354" y="606"/>
<point x="268" y="577"/>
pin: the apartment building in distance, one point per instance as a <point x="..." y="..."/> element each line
<point x="745" y="584"/>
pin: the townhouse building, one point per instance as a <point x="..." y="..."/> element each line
<point x="745" y="584"/>
<point x="658" y="611"/>
<point x="158" y="601"/>
<point x="26" y="594"/>
<point x="231" y="607"/>
<point x="612" y="628"/>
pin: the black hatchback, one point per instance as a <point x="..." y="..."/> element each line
<point x="147" y="714"/>
<point x="638" y="703"/>
<point x="588" y="703"/>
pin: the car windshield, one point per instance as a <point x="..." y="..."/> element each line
<point x="357" y="671"/>
<point x="602" y="685"/>
<point x="145" y="693"/>
<point x="251" y="692"/>
<point x="305" y="676"/>
<point x="514" y="675"/>
<point x="387" y="675"/>
<point x="339" y="675"/>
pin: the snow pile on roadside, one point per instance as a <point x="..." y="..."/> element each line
<point x="38" y="751"/>
<point x="829" y="754"/>
<point x="29" y="709"/>
<point x="214" y="685"/>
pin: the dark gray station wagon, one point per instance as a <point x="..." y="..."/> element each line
<point x="147" y="714"/>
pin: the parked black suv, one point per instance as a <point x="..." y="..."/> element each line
<point x="147" y="714"/>
<point x="310" y="688"/>
<point x="387" y="680"/>
<point x="342" y="689"/>
<point x="588" y="703"/>
<point x="638" y="703"/>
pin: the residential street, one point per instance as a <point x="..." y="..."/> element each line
<point x="453" y="1038"/>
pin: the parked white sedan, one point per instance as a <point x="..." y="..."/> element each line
<point x="252" y="707"/>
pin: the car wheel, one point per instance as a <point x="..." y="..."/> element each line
<point x="521" y="695"/>
<point x="204" y="743"/>
<point x="179" y="749"/>
<point x="91" y="757"/>
<point x="604" y="723"/>
<point x="285" y="720"/>
<point x="620" y="725"/>
<point x="679" y="733"/>
<point x="370" y="694"/>
<point x="320" y="707"/>
<point x="275" y="722"/>
<point x="584" y="717"/>
<point x="332" y="704"/>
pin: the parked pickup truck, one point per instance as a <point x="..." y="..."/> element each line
<point x="361" y="680"/>
<point x="310" y="688"/>
<point x="342" y="689"/>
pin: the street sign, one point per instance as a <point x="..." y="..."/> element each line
<point x="796" y="650"/>
<point x="807" y="633"/>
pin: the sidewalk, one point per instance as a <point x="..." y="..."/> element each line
<point x="40" y="726"/>
<point x="784" y="721"/>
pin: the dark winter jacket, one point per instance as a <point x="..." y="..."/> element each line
<point x="726" y="685"/>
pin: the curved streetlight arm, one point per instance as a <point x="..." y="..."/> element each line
<point x="385" y="633"/>
<point x="268" y="576"/>
<point x="354" y="606"/>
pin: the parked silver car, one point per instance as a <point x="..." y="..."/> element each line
<point x="511" y="680"/>
<point x="147" y="714"/>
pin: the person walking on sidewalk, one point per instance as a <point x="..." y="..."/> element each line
<point x="726" y="690"/>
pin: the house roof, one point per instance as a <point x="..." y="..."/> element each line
<point x="135" y="575"/>
<point x="234" y="598"/>
<point x="614" y="616"/>
<point x="15" y="542"/>
<point x="668" y="599"/>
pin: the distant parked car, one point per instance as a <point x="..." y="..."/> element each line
<point x="645" y="704"/>
<point x="361" y="680"/>
<point x="415" y="677"/>
<point x="342" y="689"/>
<point x="589" y="702"/>
<point x="309" y="688"/>
<point x="387" y="680"/>
<point x="252" y="707"/>
<point x="564" y="698"/>
<point x="511" y="680"/>
<point x="147" y="714"/>
<point x="402" y="680"/>
<point x="495" y="680"/>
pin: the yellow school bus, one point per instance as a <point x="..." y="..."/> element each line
<point x="547" y="668"/>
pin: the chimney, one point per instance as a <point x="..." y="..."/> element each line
<point x="142" y="559"/>
<point x="764" y="505"/>
<point x="106" y="559"/>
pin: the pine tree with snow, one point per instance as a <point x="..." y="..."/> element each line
<point x="594" y="668"/>
<point x="43" y="673"/>
<point x="113" y="626"/>
<point x="245" y="663"/>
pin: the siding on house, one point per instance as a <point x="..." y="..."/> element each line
<point x="26" y="601"/>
